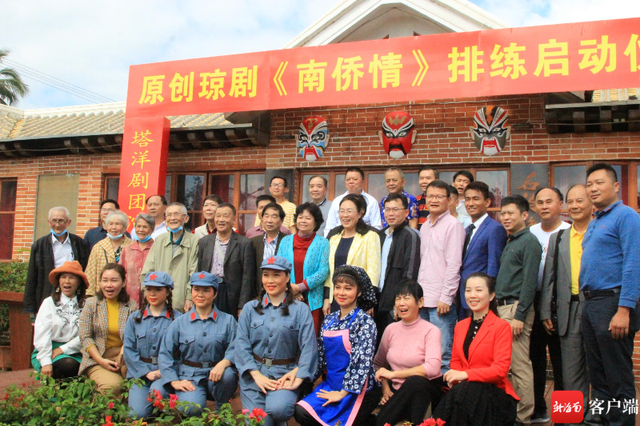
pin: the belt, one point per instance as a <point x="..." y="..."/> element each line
<point x="575" y="297"/>
<point x="507" y="301"/>
<point x="590" y="294"/>
<point x="199" y="364"/>
<point x="153" y="360"/>
<point x="269" y="361"/>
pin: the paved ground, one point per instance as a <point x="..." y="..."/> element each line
<point x="20" y="377"/>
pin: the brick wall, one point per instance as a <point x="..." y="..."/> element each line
<point x="443" y="138"/>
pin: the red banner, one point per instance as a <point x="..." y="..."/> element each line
<point x="555" y="58"/>
<point x="143" y="168"/>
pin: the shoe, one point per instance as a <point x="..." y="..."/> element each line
<point x="538" y="418"/>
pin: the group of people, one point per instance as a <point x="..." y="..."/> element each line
<point x="426" y="301"/>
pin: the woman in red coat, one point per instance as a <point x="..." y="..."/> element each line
<point x="480" y="391"/>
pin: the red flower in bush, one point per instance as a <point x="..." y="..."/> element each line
<point x="111" y="405"/>
<point x="173" y="399"/>
<point x="257" y="414"/>
<point x="107" y="421"/>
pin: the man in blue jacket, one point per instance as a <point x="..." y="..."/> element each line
<point x="610" y="283"/>
<point x="484" y="240"/>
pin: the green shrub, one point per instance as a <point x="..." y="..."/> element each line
<point x="76" y="402"/>
<point x="13" y="276"/>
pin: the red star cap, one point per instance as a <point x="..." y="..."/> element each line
<point x="201" y="276"/>
<point x="153" y="277"/>
<point x="271" y="260"/>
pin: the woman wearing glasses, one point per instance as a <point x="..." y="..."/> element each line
<point x="354" y="243"/>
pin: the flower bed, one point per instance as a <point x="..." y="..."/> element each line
<point x="77" y="402"/>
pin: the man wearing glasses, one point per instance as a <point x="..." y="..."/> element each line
<point x="278" y="188"/>
<point x="441" y="241"/>
<point x="48" y="253"/>
<point x="400" y="256"/>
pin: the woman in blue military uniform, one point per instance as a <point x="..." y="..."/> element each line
<point x="276" y="347"/>
<point x="346" y="348"/>
<point x="142" y="340"/>
<point x="203" y="341"/>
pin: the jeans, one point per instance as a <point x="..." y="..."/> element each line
<point x="446" y="323"/>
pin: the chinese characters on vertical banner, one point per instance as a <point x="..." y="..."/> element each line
<point x="143" y="164"/>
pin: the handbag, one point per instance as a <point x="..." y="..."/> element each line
<point x="554" y="297"/>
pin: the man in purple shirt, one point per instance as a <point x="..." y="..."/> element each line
<point x="441" y="241"/>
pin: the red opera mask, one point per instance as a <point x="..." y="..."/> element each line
<point x="398" y="134"/>
<point x="491" y="132"/>
<point x="313" y="138"/>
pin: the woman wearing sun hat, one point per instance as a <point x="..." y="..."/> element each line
<point x="142" y="340"/>
<point x="204" y="339"/>
<point x="55" y="334"/>
<point x="346" y="348"/>
<point x="276" y="349"/>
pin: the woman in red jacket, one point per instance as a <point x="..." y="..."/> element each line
<point x="480" y="391"/>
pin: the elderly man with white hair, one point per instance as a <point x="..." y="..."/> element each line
<point x="48" y="253"/>
<point x="176" y="253"/>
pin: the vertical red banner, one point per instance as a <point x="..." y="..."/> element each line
<point x="143" y="166"/>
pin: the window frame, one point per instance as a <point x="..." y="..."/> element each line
<point x="10" y="212"/>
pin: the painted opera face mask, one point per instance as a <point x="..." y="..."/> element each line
<point x="491" y="132"/>
<point x="398" y="134"/>
<point x="313" y="138"/>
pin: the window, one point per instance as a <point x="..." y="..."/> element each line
<point x="191" y="188"/>
<point x="496" y="178"/>
<point x="112" y="186"/>
<point x="8" y="190"/>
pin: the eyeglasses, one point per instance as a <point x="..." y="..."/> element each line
<point x="277" y="185"/>
<point x="393" y="209"/>
<point x="175" y="214"/>
<point x="107" y="210"/>
<point x="348" y="211"/>
<point x="58" y="221"/>
<point x="436" y="197"/>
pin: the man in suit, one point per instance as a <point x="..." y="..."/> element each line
<point x="230" y="257"/>
<point x="548" y="205"/>
<point x="562" y="270"/>
<point x="484" y="239"/>
<point x="400" y="256"/>
<point x="266" y="246"/>
<point x="48" y="253"/>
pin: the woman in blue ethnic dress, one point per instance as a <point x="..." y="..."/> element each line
<point x="346" y="348"/>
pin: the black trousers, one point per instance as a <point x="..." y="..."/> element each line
<point x="410" y="402"/>
<point x="609" y="360"/>
<point x="364" y="418"/>
<point x="540" y="340"/>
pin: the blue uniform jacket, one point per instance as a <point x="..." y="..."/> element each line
<point x="211" y="340"/>
<point x="144" y="339"/>
<point x="276" y="336"/>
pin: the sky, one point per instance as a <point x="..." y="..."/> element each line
<point x="92" y="44"/>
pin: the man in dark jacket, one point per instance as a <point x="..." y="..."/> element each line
<point x="266" y="245"/>
<point x="230" y="257"/>
<point x="48" y="253"/>
<point x="400" y="256"/>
